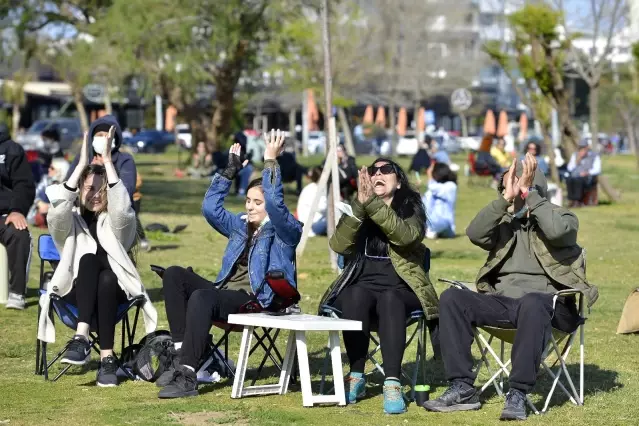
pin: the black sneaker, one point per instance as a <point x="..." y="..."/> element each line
<point x="172" y="362"/>
<point x="515" y="407"/>
<point x="78" y="351"/>
<point x="183" y="383"/>
<point x="458" y="397"/>
<point x="107" y="376"/>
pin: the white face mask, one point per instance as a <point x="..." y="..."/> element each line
<point x="99" y="144"/>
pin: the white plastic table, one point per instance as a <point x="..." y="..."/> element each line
<point x="298" y="325"/>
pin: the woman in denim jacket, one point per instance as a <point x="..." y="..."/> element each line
<point x="261" y="240"/>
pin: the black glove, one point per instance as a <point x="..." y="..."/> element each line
<point x="233" y="167"/>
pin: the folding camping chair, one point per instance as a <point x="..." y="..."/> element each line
<point x="416" y="317"/>
<point x="68" y="313"/>
<point x="556" y="338"/>
<point x="284" y="302"/>
<point x="421" y="330"/>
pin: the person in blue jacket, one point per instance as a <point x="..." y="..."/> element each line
<point x="123" y="162"/>
<point x="261" y="240"/>
<point x="440" y="201"/>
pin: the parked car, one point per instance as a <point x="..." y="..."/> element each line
<point x="408" y="144"/>
<point x="316" y="142"/>
<point x="150" y="141"/>
<point x="185" y="138"/>
<point x="69" y="130"/>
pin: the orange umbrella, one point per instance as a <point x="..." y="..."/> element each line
<point x="313" y="113"/>
<point x="402" y="121"/>
<point x="502" y="125"/>
<point x="421" y="122"/>
<point x="489" y="122"/>
<point x="380" y="119"/>
<point x="523" y="127"/>
<point x="368" y="115"/>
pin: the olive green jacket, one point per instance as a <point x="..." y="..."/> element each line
<point x="553" y="239"/>
<point x="406" y="250"/>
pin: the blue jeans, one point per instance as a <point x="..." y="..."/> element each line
<point x="243" y="179"/>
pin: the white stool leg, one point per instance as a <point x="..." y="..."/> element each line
<point x="305" y="373"/>
<point x="287" y="364"/>
<point x="338" y="373"/>
<point x="242" y="362"/>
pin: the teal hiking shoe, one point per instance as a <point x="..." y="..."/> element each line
<point x="355" y="387"/>
<point x="393" y="397"/>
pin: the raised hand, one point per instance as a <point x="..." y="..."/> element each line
<point x="365" y="186"/>
<point x="528" y="176"/>
<point x="83" y="160"/>
<point x="274" y="144"/>
<point x="106" y="156"/>
<point x="511" y="184"/>
<point x="235" y="156"/>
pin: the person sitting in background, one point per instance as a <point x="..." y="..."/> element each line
<point x="291" y="169"/>
<point x="498" y="152"/>
<point x="533" y="253"/>
<point x="17" y="191"/>
<point x="51" y="139"/>
<point x="201" y="163"/>
<point x="440" y="201"/>
<point x="486" y="162"/>
<point x="305" y="203"/>
<point x="421" y="160"/>
<point x="38" y="212"/>
<point x="347" y="173"/>
<point x="261" y="240"/>
<point x="437" y="154"/>
<point x="534" y="149"/>
<point x="384" y="279"/>
<point x="93" y="226"/>
<point x="583" y="169"/>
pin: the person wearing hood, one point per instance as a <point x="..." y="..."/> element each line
<point x="525" y="236"/>
<point x="123" y="162"/>
<point x="17" y="191"/>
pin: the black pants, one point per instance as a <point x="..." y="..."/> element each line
<point x="192" y="305"/>
<point x="97" y="295"/>
<point x="385" y="310"/>
<point x="577" y="186"/>
<point x="532" y="315"/>
<point x="140" y="228"/>
<point x="18" y="245"/>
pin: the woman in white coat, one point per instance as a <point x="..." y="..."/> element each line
<point x="93" y="225"/>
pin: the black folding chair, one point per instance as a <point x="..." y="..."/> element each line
<point x="68" y="313"/>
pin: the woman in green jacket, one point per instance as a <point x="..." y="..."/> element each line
<point x="384" y="280"/>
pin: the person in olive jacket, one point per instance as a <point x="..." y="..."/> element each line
<point x="384" y="279"/>
<point x="533" y="253"/>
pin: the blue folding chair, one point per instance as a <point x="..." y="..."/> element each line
<point x="421" y="330"/>
<point x="68" y="313"/>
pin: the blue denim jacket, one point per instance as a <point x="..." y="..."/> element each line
<point x="275" y="243"/>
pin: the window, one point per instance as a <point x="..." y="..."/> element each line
<point x="486" y="19"/>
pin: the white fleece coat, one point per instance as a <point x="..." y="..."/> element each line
<point x="116" y="231"/>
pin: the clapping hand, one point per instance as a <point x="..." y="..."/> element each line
<point x="235" y="157"/>
<point x="274" y="144"/>
<point x="510" y="183"/>
<point x="83" y="160"/>
<point x="365" y="186"/>
<point x="528" y="176"/>
<point x="106" y="156"/>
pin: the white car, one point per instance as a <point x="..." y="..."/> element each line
<point x="469" y="143"/>
<point x="184" y="135"/>
<point x="316" y="142"/>
<point x="407" y="145"/>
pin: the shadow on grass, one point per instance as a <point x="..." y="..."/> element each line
<point x="164" y="247"/>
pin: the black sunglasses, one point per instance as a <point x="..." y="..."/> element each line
<point x="386" y="169"/>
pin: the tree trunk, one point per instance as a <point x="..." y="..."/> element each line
<point x="346" y="128"/>
<point x="593" y="100"/>
<point x="79" y="107"/>
<point x="15" y="120"/>
<point x="570" y="134"/>
<point x="393" y="124"/>
<point x="291" y="122"/>
<point x="108" y="105"/>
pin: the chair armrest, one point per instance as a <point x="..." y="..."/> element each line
<point x="456" y="284"/>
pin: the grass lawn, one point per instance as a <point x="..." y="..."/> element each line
<point x="609" y="232"/>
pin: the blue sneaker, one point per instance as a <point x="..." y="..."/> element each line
<point x="355" y="387"/>
<point x="393" y="397"/>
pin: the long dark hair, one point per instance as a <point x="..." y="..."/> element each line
<point x="406" y="203"/>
